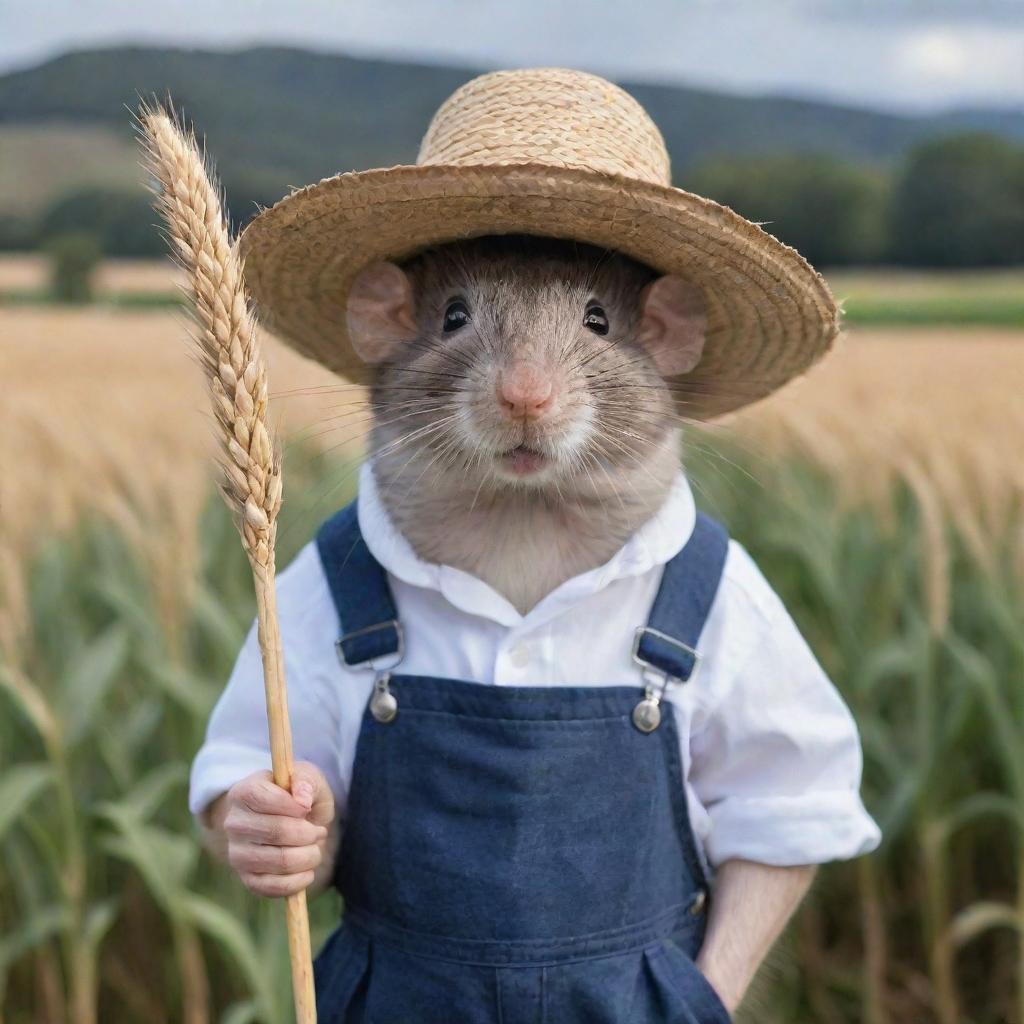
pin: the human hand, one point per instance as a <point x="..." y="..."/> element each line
<point x="278" y="842"/>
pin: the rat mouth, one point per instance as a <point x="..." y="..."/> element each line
<point x="522" y="460"/>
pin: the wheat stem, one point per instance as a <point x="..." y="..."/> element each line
<point x="226" y="340"/>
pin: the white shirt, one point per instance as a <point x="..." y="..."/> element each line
<point x="770" y="754"/>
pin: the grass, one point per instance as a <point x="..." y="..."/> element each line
<point x="964" y="311"/>
<point x="110" y="300"/>
<point x="883" y="297"/>
<point x="111" y="912"/>
<point x="896" y="297"/>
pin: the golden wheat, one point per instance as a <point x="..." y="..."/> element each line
<point x="131" y="434"/>
<point x="227" y="344"/>
<point x="938" y="409"/>
<point x="226" y="339"/>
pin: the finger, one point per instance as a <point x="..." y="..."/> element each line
<point x="305" y="783"/>
<point x="277" y="885"/>
<point x="257" y="859"/>
<point x="272" y="829"/>
<point x="310" y="788"/>
<point x="262" y="796"/>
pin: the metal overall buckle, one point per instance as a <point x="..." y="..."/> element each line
<point x="383" y="703"/>
<point x="647" y="713"/>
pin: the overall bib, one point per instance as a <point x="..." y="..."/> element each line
<point x="511" y="854"/>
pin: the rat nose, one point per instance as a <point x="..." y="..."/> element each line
<point x="525" y="391"/>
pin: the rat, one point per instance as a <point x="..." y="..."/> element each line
<point x="524" y="419"/>
<point x="526" y="423"/>
<point x="607" y="806"/>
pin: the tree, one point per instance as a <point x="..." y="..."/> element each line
<point x="833" y="212"/>
<point x="73" y="260"/>
<point x="16" y="232"/>
<point x="959" y="201"/>
<point x="122" y="221"/>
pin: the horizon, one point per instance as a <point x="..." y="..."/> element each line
<point x="426" y="60"/>
<point x="910" y="58"/>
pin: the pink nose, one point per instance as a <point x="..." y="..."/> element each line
<point x="525" y="391"/>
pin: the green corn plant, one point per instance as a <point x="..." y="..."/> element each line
<point x="931" y="686"/>
<point x="110" y="910"/>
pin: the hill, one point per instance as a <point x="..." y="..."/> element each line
<point x="277" y="117"/>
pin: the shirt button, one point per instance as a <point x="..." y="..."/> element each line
<point x="520" y="655"/>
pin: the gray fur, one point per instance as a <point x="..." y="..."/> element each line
<point x="612" y="445"/>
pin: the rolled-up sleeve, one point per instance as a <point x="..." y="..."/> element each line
<point x="777" y="764"/>
<point x="237" y="736"/>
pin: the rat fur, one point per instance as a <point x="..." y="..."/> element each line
<point x="522" y="445"/>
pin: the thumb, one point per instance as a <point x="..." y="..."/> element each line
<point x="310" y="789"/>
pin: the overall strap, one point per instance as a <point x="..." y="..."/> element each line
<point x="360" y="589"/>
<point x="668" y="643"/>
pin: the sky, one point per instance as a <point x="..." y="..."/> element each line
<point x="911" y="55"/>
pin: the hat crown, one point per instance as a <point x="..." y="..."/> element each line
<point x="552" y="116"/>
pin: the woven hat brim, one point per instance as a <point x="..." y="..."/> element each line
<point x="770" y="314"/>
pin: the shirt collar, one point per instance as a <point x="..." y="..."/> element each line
<point x="653" y="544"/>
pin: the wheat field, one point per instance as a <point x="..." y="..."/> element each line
<point x="883" y="495"/>
<point x="100" y="398"/>
<point x="106" y="412"/>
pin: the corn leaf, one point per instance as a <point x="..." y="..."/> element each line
<point x="214" y="921"/>
<point x="241" y="1013"/>
<point x="975" y="920"/>
<point x="40" y="926"/>
<point x="89" y="680"/>
<point x="19" y="787"/>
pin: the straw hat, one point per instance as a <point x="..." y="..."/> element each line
<point x="549" y="152"/>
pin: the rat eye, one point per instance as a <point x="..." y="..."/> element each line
<point x="596" y="320"/>
<point x="455" y="316"/>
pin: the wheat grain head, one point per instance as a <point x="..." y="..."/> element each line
<point x="225" y="335"/>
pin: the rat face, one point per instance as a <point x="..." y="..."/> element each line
<point x="523" y="362"/>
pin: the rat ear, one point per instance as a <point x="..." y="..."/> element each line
<point x="673" y="323"/>
<point x="379" y="312"/>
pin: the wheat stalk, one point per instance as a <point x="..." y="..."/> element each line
<point x="227" y="342"/>
<point x="226" y="338"/>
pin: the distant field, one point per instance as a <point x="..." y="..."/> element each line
<point x="25" y="275"/>
<point x="877" y="298"/>
<point x="894" y="296"/>
<point x="43" y="161"/>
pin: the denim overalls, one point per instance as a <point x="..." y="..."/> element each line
<point x="518" y="855"/>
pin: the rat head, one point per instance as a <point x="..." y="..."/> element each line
<point x="521" y="362"/>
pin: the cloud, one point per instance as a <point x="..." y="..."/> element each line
<point x="892" y="12"/>
<point x="902" y="54"/>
